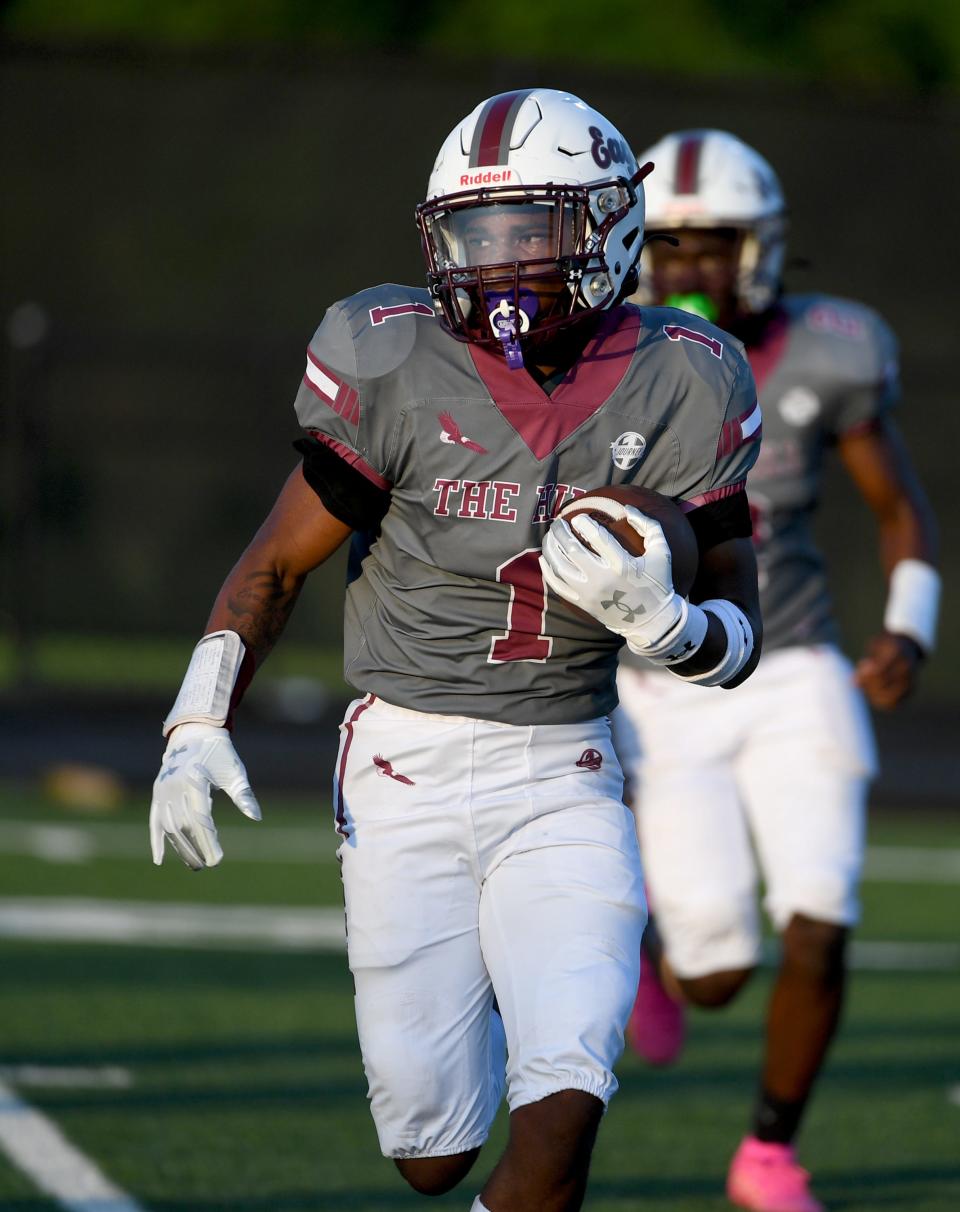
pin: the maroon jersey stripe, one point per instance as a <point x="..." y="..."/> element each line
<point x="351" y="457"/>
<point x="345" y="400"/>
<point x="732" y="435"/>
<point x="688" y="165"/>
<point x="862" y="428"/>
<point x="491" y="136"/>
<point x="712" y="494"/>
<point x="584" y="390"/>
<point x="767" y="354"/>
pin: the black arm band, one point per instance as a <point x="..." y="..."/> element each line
<point x="344" y="491"/>
<point x="717" y="521"/>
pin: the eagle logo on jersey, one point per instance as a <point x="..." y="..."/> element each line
<point x="450" y="433"/>
<point x="385" y="770"/>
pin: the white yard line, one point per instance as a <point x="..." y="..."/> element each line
<point x="879" y="956"/>
<point x="282" y="928"/>
<point x="912" y="865"/>
<point x="38" y="1148"/>
<point x="59" y="1077"/>
<point x="79" y="843"/>
<point x="160" y="924"/>
<point x="872" y="955"/>
<point x="82" y="842"/>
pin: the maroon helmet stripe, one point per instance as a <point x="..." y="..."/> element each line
<point x="491" y="136"/>
<point x="688" y="165"/>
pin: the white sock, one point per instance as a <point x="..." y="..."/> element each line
<point x="477" y="1206"/>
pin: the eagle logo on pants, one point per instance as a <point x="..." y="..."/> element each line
<point x="386" y="770"/>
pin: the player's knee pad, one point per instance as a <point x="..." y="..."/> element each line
<point x="715" y="935"/>
<point x="580" y="1024"/>
<point x="829" y="894"/>
<point x="435" y="1081"/>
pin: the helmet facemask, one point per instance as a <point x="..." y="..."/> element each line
<point x="507" y="264"/>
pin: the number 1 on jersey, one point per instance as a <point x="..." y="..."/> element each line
<point x="524" y="639"/>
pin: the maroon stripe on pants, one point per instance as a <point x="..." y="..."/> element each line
<point x="688" y="165"/>
<point x="341" y="818"/>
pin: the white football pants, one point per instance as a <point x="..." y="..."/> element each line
<point x="780" y="764"/>
<point x="481" y="860"/>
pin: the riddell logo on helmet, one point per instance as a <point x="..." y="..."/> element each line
<point x="492" y="176"/>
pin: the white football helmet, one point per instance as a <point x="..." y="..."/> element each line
<point x="543" y="160"/>
<point x="709" y="178"/>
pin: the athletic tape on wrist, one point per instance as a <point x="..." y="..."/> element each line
<point x="679" y="643"/>
<point x="913" y="602"/>
<point x="739" y="643"/>
<point x="207" y="688"/>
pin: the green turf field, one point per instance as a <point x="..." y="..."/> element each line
<point x="245" y="1091"/>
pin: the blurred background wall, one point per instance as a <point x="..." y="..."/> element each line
<point x="187" y="187"/>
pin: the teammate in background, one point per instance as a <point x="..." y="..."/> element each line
<point x="483" y="853"/>
<point x="785" y="762"/>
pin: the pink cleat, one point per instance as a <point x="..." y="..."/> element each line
<point x="765" y="1177"/>
<point x="657" y="1026"/>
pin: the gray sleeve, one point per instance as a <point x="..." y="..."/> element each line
<point x="336" y="408"/>
<point x="871" y="385"/>
<point x="721" y="470"/>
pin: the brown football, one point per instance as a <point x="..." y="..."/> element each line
<point x="604" y="504"/>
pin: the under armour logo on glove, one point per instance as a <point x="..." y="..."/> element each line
<point x="617" y="603"/>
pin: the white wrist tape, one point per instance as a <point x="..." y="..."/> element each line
<point x="739" y="643"/>
<point x="208" y="685"/>
<point x="913" y="602"/>
<point x="680" y="642"/>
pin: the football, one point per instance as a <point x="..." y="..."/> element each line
<point x="606" y="505"/>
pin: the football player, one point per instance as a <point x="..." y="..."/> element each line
<point x="783" y="763"/>
<point x="482" y="854"/>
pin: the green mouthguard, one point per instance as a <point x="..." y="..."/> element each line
<point x="700" y="304"/>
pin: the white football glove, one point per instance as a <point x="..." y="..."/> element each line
<point x="632" y="596"/>
<point x="198" y="757"/>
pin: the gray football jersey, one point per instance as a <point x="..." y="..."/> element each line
<point x="824" y="367"/>
<point x="450" y="614"/>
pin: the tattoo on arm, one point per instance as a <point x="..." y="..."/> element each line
<point x="259" y="606"/>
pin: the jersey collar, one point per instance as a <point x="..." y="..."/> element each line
<point x="544" y="421"/>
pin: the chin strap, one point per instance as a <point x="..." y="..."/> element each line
<point x="509" y="313"/>
<point x="507" y="334"/>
